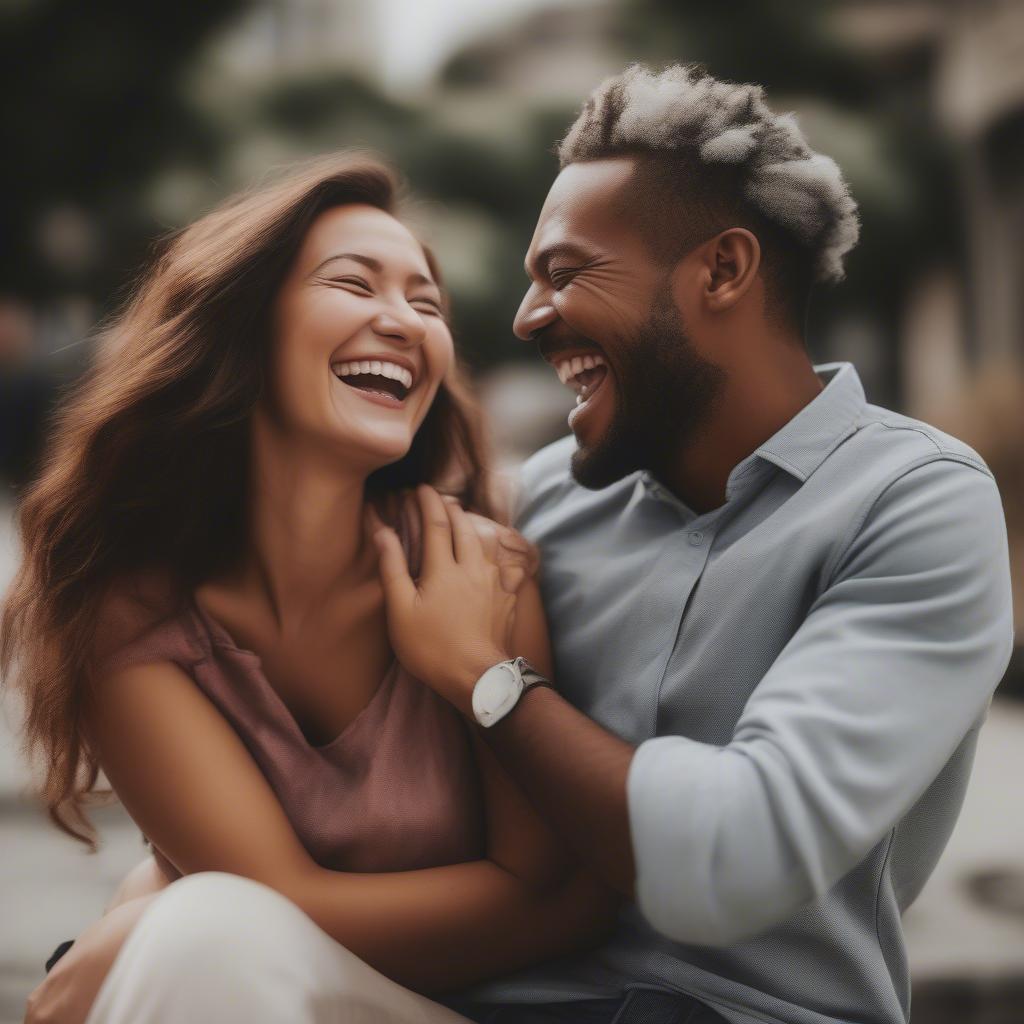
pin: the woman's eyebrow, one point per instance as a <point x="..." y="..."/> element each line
<point x="369" y="262"/>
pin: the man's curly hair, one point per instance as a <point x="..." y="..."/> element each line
<point x="716" y="157"/>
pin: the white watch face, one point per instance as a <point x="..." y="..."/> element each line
<point x="495" y="693"/>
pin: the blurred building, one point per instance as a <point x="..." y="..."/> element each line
<point x="276" y="38"/>
<point x="962" y="338"/>
<point x="979" y="91"/>
<point x="966" y="315"/>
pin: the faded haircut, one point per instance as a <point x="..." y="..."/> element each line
<point x="712" y="155"/>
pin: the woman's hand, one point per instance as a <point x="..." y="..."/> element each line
<point x="456" y="620"/>
<point x="67" y="993"/>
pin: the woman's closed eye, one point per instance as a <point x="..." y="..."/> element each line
<point x="422" y="303"/>
<point x="354" y="282"/>
<point x="428" y="303"/>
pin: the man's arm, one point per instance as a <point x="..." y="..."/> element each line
<point x="894" y="664"/>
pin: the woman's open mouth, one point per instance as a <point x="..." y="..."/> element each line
<point x="586" y="375"/>
<point x="378" y="381"/>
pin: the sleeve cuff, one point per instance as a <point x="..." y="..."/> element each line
<point x="667" y="819"/>
<point x="709" y="870"/>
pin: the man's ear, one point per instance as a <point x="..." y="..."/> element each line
<point x="726" y="268"/>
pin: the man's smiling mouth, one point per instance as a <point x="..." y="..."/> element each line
<point x="584" y="374"/>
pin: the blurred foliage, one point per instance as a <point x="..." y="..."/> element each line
<point x="93" y="108"/>
<point x="101" y="113"/>
<point x="786" y="45"/>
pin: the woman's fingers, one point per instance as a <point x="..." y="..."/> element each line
<point x="394" y="570"/>
<point x="437" y="530"/>
<point x="468" y="546"/>
<point x="511" y="575"/>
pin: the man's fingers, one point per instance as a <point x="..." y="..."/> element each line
<point x="437" y="530"/>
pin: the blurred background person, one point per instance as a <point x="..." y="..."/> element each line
<point x="122" y="126"/>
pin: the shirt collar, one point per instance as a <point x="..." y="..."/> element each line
<point x="804" y="443"/>
<point x="821" y="426"/>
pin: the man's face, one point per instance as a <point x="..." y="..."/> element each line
<point x="601" y="311"/>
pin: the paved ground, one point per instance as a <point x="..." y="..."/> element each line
<point x="967" y="957"/>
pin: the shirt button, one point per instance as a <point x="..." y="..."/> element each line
<point x="696" y="537"/>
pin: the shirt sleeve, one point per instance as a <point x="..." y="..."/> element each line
<point x="139" y="622"/>
<point x="895" y="662"/>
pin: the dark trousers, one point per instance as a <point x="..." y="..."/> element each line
<point x="638" y="1006"/>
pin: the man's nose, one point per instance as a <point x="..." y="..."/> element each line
<point x="535" y="312"/>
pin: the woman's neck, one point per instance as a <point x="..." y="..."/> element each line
<point x="305" y="527"/>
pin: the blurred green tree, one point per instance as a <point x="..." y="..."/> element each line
<point x="93" y="107"/>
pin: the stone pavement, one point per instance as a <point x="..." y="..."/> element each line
<point x="965" y="938"/>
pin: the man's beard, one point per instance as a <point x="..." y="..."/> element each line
<point x="666" y="393"/>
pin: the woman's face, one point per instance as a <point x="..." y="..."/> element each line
<point x="361" y="343"/>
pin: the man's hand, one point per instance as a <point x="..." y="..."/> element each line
<point x="449" y="626"/>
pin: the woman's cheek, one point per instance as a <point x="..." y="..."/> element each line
<point x="443" y="358"/>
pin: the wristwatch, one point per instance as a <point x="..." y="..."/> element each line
<point x="498" y="690"/>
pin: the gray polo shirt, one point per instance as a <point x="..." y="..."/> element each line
<point x="803" y="671"/>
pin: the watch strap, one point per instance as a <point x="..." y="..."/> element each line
<point x="531" y="678"/>
<point x="529" y="675"/>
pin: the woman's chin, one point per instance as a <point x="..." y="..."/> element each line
<point x="379" y="453"/>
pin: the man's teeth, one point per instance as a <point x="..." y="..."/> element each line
<point x="380" y="367"/>
<point x="569" y="368"/>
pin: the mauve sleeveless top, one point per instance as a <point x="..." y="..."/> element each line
<point x="396" y="790"/>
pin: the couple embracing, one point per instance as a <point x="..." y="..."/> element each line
<point x="678" y="747"/>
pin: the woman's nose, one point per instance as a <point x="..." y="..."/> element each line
<point x="535" y="312"/>
<point x="402" y="324"/>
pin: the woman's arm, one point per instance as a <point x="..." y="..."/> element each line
<point x="147" y="878"/>
<point x="66" y="994"/>
<point x="518" y="838"/>
<point x="190" y="784"/>
<point x="569" y="909"/>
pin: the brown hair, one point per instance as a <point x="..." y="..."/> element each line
<point x="147" y="463"/>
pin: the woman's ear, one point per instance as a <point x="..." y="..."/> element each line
<point x="726" y="267"/>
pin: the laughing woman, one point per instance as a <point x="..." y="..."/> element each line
<point x="199" y="612"/>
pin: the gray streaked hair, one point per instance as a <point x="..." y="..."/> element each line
<point x="683" y="109"/>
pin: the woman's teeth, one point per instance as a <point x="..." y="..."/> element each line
<point x="377" y="367"/>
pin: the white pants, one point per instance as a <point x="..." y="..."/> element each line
<point x="215" y="947"/>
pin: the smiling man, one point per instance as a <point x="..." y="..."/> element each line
<point x="778" y="612"/>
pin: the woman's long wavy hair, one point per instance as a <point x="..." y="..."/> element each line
<point x="148" y="459"/>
